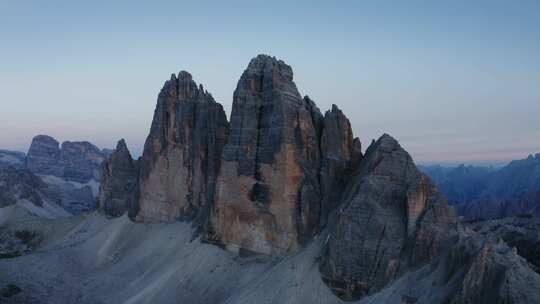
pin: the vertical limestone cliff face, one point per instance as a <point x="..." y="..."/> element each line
<point x="392" y="219"/>
<point x="268" y="194"/>
<point x="181" y="155"/>
<point x="341" y="153"/>
<point x="118" y="190"/>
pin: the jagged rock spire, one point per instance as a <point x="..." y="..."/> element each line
<point x="271" y="186"/>
<point x="118" y="190"/>
<point x="182" y="152"/>
<point x="268" y="196"/>
<point x="339" y="157"/>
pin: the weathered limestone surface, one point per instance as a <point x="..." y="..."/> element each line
<point x="392" y="219"/>
<point x="181" y="155"/>
<point x="268" y="196"/>
<point x="118" y="189"/>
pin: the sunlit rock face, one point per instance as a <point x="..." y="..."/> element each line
<point x="181" y="155"/>
<point x="118" y="190"/>
<point x="391" y="219"/>
<point x="268" y="194"/>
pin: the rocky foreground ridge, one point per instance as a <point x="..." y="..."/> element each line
<point x="280" y="176"/>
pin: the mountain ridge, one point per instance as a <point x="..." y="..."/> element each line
<point x="278" y="204"/>
<point x="488" y="193"/>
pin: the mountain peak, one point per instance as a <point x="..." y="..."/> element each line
<point x="45" y="139"/>
<point x="121" y="145"/>
<point x="185" y="75"/>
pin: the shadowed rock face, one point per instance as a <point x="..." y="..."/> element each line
<point x="181" y="155"/>
<point x="118" y="189"/>
<point x="268" y="195"/>
<point x="340" y="154"/>
<point x="392" y="219"/>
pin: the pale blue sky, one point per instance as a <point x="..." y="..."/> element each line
<point x="454" y="81"/>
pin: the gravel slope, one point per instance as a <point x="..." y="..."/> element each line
<point x="93" y="259"/>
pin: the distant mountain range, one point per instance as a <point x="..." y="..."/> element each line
<point x="487" y="193"/>
<point x="52" y="179"/>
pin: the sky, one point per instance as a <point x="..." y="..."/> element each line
<point x="453" y="81"/>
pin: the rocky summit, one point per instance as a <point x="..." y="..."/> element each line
<point x="181" y="157"/>
<point x="118" y="190"/>
<point x="392" y="219"/>
<point x="74" y="161"/>
<point x="71" y="169"/>
<point x="269" y="181"/>
<point x="44" y="156"/>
